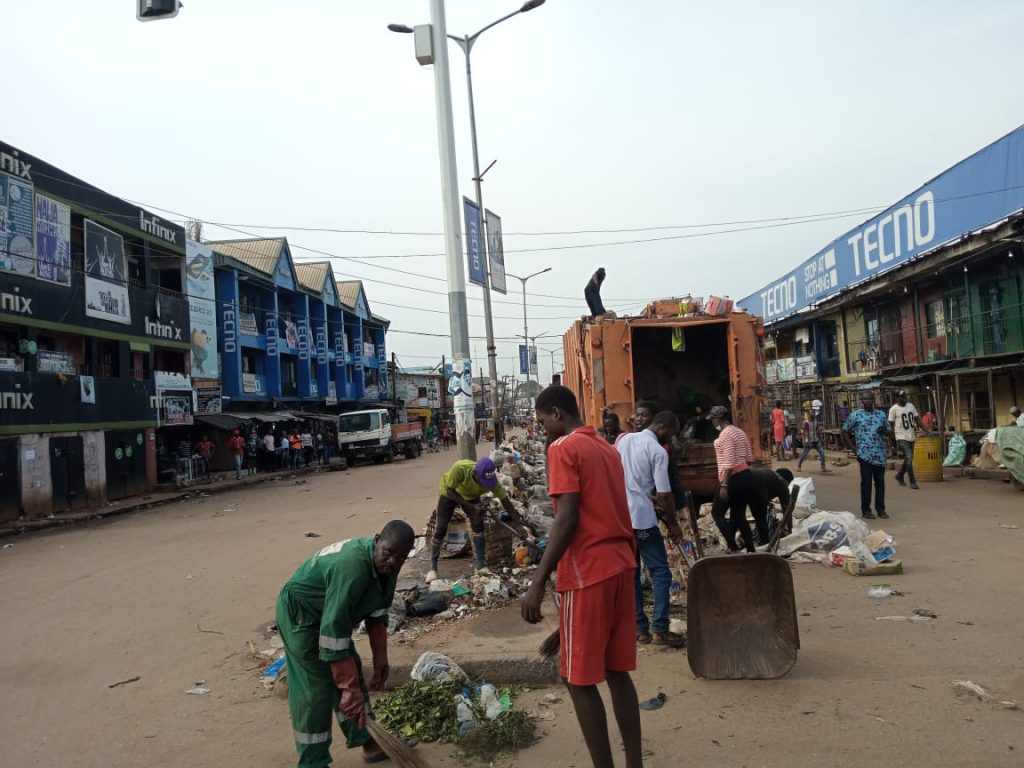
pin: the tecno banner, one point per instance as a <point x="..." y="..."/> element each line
<point x="202" y="306"/>
<point x="983" y="189"/>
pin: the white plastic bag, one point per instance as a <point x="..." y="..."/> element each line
<point x="807" y="500"/>
<point x="436" y="667"/>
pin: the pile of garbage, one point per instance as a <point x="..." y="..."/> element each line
<point x="443" y="600"/>
<point x="522" y="472"/>
<point x="442" y="704"/>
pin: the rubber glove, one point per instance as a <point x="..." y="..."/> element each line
<point x="346" y="678"/>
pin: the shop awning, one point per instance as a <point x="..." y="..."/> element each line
<point x="328" y="417"/>
<point x="224" y="421"/>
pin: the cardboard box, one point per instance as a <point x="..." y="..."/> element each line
<point x="893" y="566"/>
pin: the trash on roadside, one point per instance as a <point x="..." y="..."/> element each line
<point x="879" y="591"/>
<point x="8" y="546"/>
<point x="904" y="618"/>
<point x="440" y="585"/>
<point x="1007" y="526"/>
<point x="433" y="667"/>
<point x="656" y="703"/>
<point x="490" y="701"/>
<point x="274" y="672"/>
<point x="430" y="604"/>
<point x="312" y="535"/>
<point x="925" y="613"/>
<point x="197" y="691"/>
<point x="888" y="568"/>
<point x="969" y="688"/>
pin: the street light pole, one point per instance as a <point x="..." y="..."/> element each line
<point x="449" y="185"/>
<point x="526" y="331"/>
<point x="459" y="321"/>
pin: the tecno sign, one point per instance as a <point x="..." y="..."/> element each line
<point x="229" y="331"/>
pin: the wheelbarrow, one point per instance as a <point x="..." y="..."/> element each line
<point x="741" y="617"/>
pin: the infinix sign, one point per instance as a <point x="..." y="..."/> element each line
<point x="15" y="302"/>
<point x="16" y="401"/>
<point x="154" y="226"/>
<point x="14" y="165"/>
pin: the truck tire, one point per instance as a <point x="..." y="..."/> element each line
<point x="419" y="448"/>
<point x="390" y="455"/>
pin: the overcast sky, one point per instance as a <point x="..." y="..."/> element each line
<point x="602" y="116"/>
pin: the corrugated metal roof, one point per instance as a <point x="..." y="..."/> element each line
<point x="348" y="292"/>
<point x="260" y="253"/>
<point x="311" y="275"/>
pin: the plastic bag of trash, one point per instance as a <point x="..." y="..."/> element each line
<point x="490" y="702"/>
<point x="434" y="667"/>
<point x="807" y="500"/>
<point x="957" y="452"/>
<point x="429" y="604"/>
<point x="824" y="532"/>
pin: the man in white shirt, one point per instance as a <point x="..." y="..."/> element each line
<point x="904" y="420"/>
<point x="645" y="466"/>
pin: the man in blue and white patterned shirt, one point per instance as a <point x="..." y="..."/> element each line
<point x="870" y="429"/>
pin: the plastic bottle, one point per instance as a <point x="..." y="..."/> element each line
<point x="489" y="701"/>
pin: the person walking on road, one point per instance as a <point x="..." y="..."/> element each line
<point x="318" y="611"/>
<point x="462" y="486"/>
<point x="812" y="436"/>
<point x="591" y="545"/>
<point x="252" y="450"/>
<point x="903" y="421"/>
<point x="283" y="459"/>
<point x="295" y="448"/>
<point x="869" y="430"/>
<point x="779" y="428"/>
<point x="446" y="436"/>
<point x="237" y="447"/>
<point x="646" y="470"/>
<point x="592" y="293"/>
<point x="734" y="456"/>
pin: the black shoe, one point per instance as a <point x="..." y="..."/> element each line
<point x="900" y="480"/>
<point x="915" y="486"/>
<point x="884" y="515"/>
<point x="868" y="515"/>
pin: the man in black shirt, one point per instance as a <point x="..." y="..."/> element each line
<point x="592" y="293"/>
<point x="766" y="485"/>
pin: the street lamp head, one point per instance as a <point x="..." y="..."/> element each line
<point x="546" y="269"/>
<point x="529" y="5"/>
<point x="400" y="28"/>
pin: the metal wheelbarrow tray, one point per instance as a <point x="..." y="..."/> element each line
<point x="741" y="618"/>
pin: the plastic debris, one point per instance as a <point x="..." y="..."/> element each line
<point x="274" y="672"/>
<point x="436" y="667"/>
<point x="197" y="691"/>
<point x="656" y="703"/>
<point x="969" y="688"/>
<point x="879" y="590"/>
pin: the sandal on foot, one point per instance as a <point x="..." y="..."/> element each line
<point x="644" y="638"/>
<point x="671" y="639"/>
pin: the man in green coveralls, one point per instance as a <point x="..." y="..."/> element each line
<point x="318" y="609"/>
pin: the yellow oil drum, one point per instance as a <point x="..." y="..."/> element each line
<point x="928" y="458"/>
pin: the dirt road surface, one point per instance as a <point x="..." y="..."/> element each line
<point x="175" y="594"/>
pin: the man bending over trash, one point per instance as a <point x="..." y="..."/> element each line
<point x="318" y="609"/>
<point x="592" y="545"/>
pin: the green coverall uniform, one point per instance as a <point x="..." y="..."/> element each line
<point x="317" y="611"/>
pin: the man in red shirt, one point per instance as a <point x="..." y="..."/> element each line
<point x="237" y="446"/>
<point x="591" y="544"/>
<point x="205" y="451"/>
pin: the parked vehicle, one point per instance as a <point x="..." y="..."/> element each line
<point x="376" y="434"/>
<point x="686" y="364"/>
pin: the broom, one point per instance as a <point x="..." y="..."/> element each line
<point x="400" y="753"/>
<point x="552" y="643"/>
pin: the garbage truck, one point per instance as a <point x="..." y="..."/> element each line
<point x="684" y="357"/>
<point x="379" y="434"/>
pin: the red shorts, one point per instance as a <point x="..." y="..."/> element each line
<point x="597" y="630"/>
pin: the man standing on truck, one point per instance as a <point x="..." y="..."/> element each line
<point x="462" y="486"/>
<point x="591" y="546"/>
<point x="592" y="293"/>
<point x="646" y="468"/>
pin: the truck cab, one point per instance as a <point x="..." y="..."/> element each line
<point x="375" y="434"/>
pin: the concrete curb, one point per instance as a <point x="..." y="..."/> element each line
<point x="17" y="527"/>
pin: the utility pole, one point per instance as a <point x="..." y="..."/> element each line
<point x="459" y="322"/>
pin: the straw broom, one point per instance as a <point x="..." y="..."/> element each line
<point x="400" y="753"/>
<point x="552" y="643"/>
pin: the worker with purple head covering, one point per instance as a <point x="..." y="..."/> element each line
<point x="462" y="486"/>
